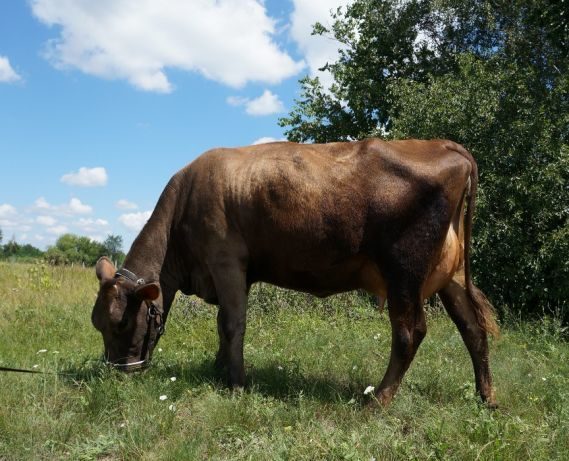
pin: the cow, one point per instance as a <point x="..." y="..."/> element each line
<point x="393" y="218"/>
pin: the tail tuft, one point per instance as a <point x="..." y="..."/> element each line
<point x="485" y="313"/>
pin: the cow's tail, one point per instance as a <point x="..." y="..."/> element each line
<point x="484" y="310"/>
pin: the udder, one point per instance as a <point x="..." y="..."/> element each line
<point x="449" y="262"/>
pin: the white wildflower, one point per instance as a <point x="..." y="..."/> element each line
<point x="173" y="378"/>
<point x="163" y="397"/>
<point x="369" y="390"/>
<point x="172" y="407"/>
<point x="42" y="351"/>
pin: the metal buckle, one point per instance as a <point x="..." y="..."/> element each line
<point x="154" y="314"/>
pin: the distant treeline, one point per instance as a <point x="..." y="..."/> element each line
<point x="69" y="249"/>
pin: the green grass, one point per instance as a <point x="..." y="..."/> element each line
<point x="308" y="362"/>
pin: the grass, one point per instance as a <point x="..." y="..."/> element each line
<point x="308" y="362"/>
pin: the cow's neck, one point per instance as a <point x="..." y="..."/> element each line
<point x="150" y="256"/>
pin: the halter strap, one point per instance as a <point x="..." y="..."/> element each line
<point x="154" y="320"/>
<point x="124" y="272"/>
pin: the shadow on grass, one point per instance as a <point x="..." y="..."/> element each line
<point x="269" y="380"/>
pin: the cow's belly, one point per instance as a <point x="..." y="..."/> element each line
<point x="355" y="272"/>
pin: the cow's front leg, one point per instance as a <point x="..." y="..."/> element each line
<point x="221" y="357"/>
<point x="230" y="284"/>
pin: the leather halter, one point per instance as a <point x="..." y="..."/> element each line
<point x="154" y="320"/>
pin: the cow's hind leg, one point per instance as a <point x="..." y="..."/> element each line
<point x="408" y="328"/>
<point x="230" y="284"/>
<point x="461" y="311"/>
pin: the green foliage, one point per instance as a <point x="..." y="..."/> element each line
<point x="491" y="75"/>
<point x="113" y="248"/>
<point x="73" y="249"/>
<point x="69" y="249"/>
<point x="308" y="362"/>
<point x="14" y="251"/>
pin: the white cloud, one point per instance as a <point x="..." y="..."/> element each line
<point x="7" y="73"/>
<point x="237" y="100"/>
<point x="76" y="207"/>
<point x="266" y="139"/>
<point x="42" y="204"/>
<point x="57" y="230"/>
<point x="86" y="177"/>
<point x="91" y="222"/>
<point x="7" y="210"/>
<point x="124" y="204"/>
<point x="266" y="104"/>
<point x="229" y="41"/>
<point x="8" y="223"/>
<point x="135" y="221"/>
<point x="91" y="225"/>
<point x="317" y="50"/>
<point x="46" y="220"/>
<point x="8" y="216"/>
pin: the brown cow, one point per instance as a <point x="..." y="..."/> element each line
<point x="386" y="217"/>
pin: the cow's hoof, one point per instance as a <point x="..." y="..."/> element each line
<point x="237" y="390"/>
<point x="489" y="399"/>
<point x="491" y="404"/>
<point x="381" y="399"/>
<point x="237" y="384"/>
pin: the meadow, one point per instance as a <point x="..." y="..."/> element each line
<point x="308" y="362"/>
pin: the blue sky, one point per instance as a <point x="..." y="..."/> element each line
<point x="101" y="102"/>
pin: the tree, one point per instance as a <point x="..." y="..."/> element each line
<point x="15" y="251"/>
<point x="73" y="249"/>
<point x="492" y="75"/>
<point x="12" y="248"/>
<point x="113" y="248"/>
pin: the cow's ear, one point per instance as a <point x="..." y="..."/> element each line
<point x="148" y="291"/>
<point x="105" y="269"/>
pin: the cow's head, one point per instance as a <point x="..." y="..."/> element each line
<point x="126" y="315"/>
